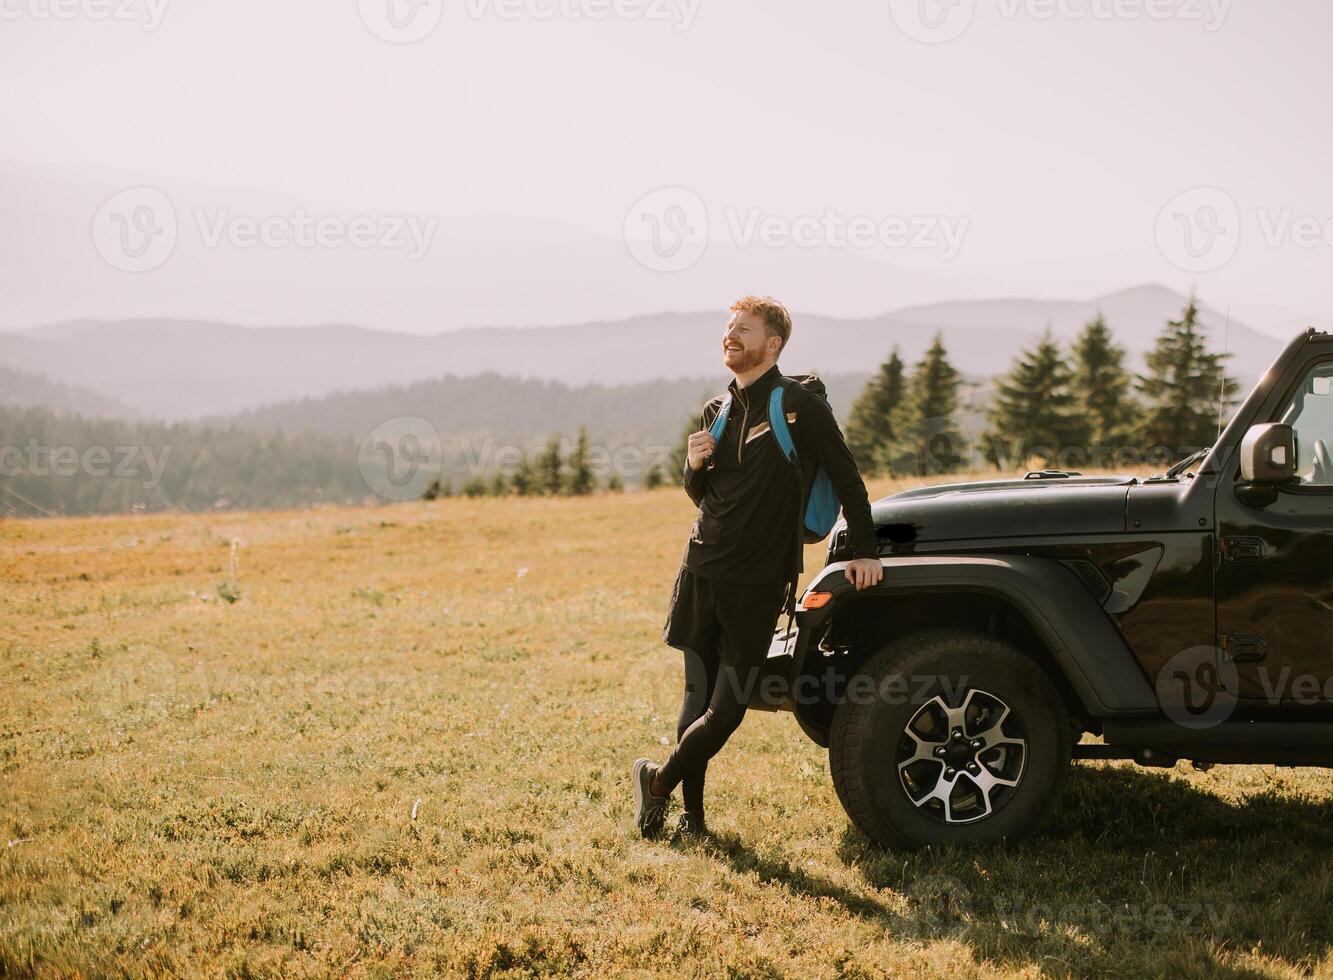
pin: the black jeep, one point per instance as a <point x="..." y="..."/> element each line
<point x="1188" y="616"/>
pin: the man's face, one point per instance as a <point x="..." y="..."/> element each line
<point x="745" y="342"/>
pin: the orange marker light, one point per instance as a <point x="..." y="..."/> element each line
<point x="816" y="600"/>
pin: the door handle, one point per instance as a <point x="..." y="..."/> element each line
<point x="1242" y="550"/>
<point x="1245" y="648"/>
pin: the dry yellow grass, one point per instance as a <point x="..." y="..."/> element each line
<point x="196" y="787"/>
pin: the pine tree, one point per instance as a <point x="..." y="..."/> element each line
<point x="680" y="452"/>
<point x="930" y="440"/>
<point x="551" y="468"/>
<point x="652" y="477"/>
<point x="1182" y="386"/>
<point x="1102" y="387"/>
<point x="1034" y="409"/>
<point x="614" y="484"/>
<point x="580" y="480"/>
<point x="524" y="480"/>
<point x="499" y="485"/>
<point x="871" y="426"/>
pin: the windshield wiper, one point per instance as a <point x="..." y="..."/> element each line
<point x="1182" y="466"/>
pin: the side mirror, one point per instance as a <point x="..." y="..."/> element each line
<point x="1268" y="454"/>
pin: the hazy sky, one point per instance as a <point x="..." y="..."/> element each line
<point x="1058" y="130"/>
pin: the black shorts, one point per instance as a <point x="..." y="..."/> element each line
<point x="731" y="621"/>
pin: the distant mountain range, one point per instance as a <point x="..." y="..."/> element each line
<point x="19" y="388"/>
<point x="505" y="408"/>
<point x="175" y="369"/>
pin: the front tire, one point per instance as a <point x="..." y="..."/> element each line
<point x="949" y="736"/>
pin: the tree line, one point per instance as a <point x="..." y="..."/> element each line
<point x="1054" y="407"/>
<point x="551" y="473"/>
<point x="71" y="464"/>
<point x="1071" y="407"/>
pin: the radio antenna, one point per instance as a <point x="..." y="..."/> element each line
<point x="1222" y="392"/>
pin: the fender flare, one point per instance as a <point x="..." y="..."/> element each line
<point x="1087" y="646"/>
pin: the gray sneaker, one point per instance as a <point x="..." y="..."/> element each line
<point x="649" y="810"/>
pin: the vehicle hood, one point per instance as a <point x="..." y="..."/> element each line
<point x="1004" y="509"/>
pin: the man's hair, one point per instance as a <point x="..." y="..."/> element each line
<point x="777" y="321"/>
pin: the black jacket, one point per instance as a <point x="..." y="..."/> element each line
<point x="748" y="494"/>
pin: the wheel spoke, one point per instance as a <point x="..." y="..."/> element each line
<point x="962" y="711"/>
<point x="924" y="752"/>
<point x="987" y="781"/>
<point x="994" y="735"/>
<point x="957" y="717"/>
<point x="961" y="754"/>
<point x="942" y="791"/>
<point x="993" y="738"/>
<point x="982" y="791"/>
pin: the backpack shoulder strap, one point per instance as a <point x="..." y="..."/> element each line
<point x="720" y="420"/>
<point x="777" y="421"/>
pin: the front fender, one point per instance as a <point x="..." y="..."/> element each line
<point x="1085" y="644"/>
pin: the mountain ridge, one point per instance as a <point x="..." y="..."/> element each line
<point x="190" y="369"/>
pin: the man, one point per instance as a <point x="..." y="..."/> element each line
<point x="743" y="555"/>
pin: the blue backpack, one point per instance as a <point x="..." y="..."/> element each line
<point x="820" y="502"/>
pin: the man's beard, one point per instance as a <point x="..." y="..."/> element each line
<point x="744" y="359"/>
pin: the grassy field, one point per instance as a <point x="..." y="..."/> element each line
<point x="405" y="750"/>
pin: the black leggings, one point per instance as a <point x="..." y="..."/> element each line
<point x="725" y="631"/>
<point x="697" y="710"/>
